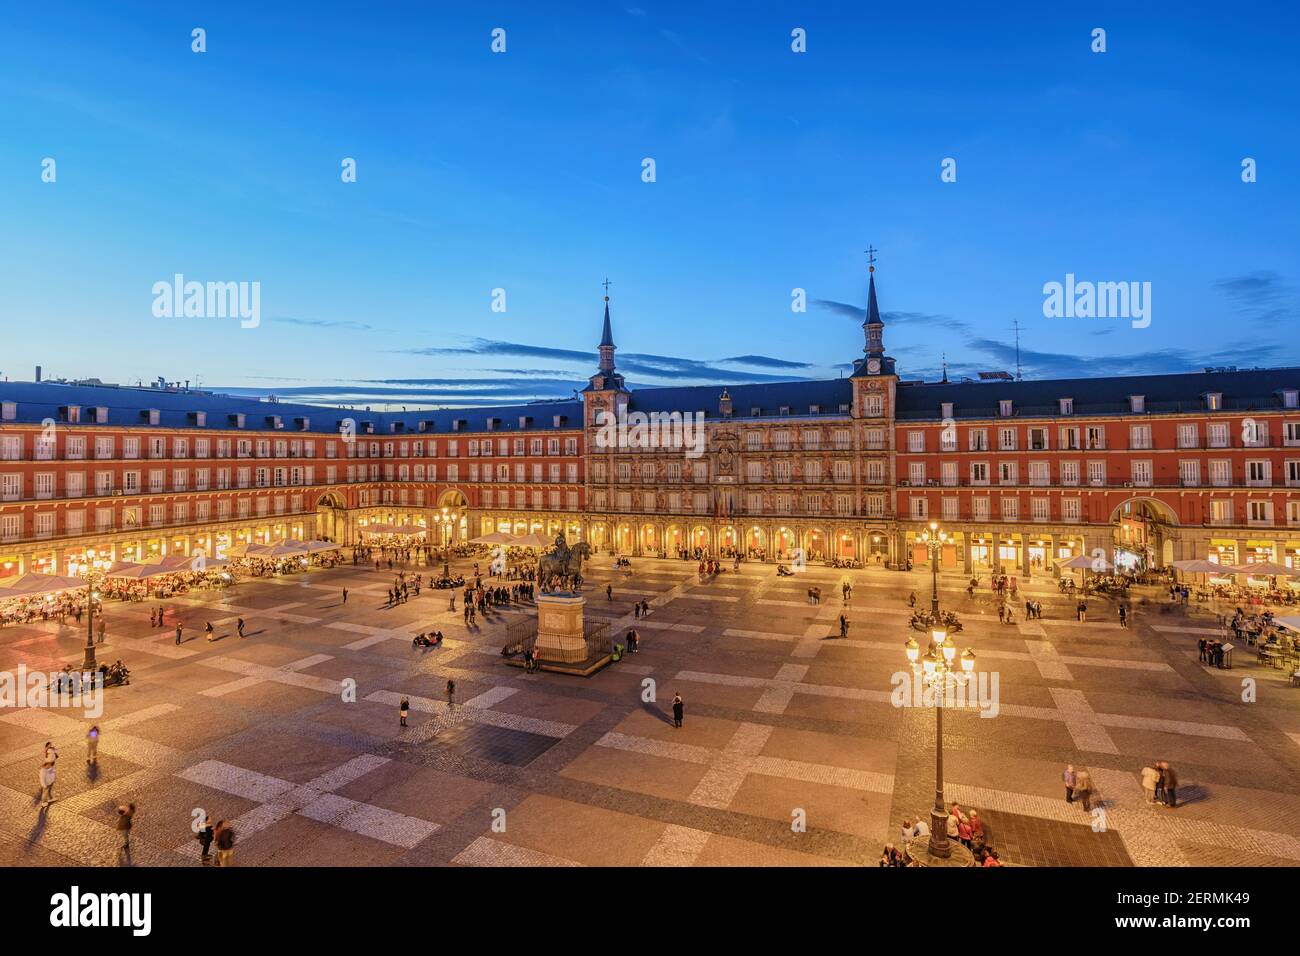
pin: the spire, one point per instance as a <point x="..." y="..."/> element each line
<point x="873" y="310"/>
<point x="875" y="347"/>
<point x="606" y="338"/>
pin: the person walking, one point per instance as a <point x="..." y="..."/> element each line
<point x="205" y="837"/>
<point x="1068" y="778"/>
<point x="179" y="626"/>
<point x="1123" y="616"/>
<point x="451" y="695"/>
<point x="92" y="745"/>
<point x="1081" y="612"/>
<point x="844" y="627"/>
<point x="345" y="596"/>
<point x="403" y="709"/>
<point x="239" y="626"/>
<point x="125" y="817"/>
<point x="207" y="629"/>
<point x="609" y="592"/>
<point x="679" y="710"/>
<point x="1150" y="775"/>
<point x="46" y="778"/>
<point x="1171" y="785"/>
<point x="99" y="630"/>
<point x="1083" y="789"/>
<point x="225" y="840"/>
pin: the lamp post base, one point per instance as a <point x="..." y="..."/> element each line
<point x="958" y="856"/>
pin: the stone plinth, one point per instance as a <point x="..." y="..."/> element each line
<point x="559" y="628"/>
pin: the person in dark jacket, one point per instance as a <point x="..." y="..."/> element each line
<point x="1170" y="784"/>
<point x="678" y="710"/>
<point x="205" y="837"/>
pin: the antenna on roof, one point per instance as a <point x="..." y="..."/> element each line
<point x="1016" y="326"/>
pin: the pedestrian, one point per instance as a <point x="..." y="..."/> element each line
<point x="1150" y="776"/>
<point x="345" y="595"/>
<point x="92" y="745"/>
<point x="125" y="816"/>
<point x="1069" y="779"/>
<point x="911" y="599"/>
<point x="609" y="592"/>
<point x="178" y="633"/>
<point x="1081" y="612"/>
<point x="678" y="710"/>
<point x="451" y="694"/>
<point x="46" y="778"/>
<point x="1171" y="785"/>
<point x="239" y="626"/>
<point x="844" y="626"/>
<point x="161" y="614"/>
<point x="207" y="629"/>
<point x="100" y="630"/>
<point x="225" y="840"/>
<point x="403" y="709"/>
<point x="1083" y="789"/>
<point x="1123" y="616"/>
<point x="205" y="837"/>
<point x="153" y="618"/>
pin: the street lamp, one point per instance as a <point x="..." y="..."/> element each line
<point x="444" y="524"/>
<point x="934" y="540"/>
<point x="936" y="669"/>
<point x="88" y="662"/>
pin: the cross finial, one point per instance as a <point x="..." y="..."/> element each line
<point x="606" y="285"/>
<point x="871" y="258"/>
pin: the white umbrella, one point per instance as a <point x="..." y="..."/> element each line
<point x="1265" y="569"/>
<point x="534" y="540"/>
<point x="1083" y="562"/>
<point x="496" y="537"/>
<point x="1199" y="566"/>
<point x="33" y="583"/>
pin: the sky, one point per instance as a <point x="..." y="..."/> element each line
<point x="523" y="171"/>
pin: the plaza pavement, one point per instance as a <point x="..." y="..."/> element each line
<point x="782" y="722"/>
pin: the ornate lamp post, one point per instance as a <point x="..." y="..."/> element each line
<point x="936" y="669"/>
<point x="93" y="567"/>
<point x="445" y="522"/>
<point x="934" y="540"/>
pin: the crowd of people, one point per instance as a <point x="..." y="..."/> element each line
<point x="960" y="826"/>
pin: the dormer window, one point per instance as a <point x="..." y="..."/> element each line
<point x="525" y="421"/>
<point x="99" y="414"/>
<point x="237" y="419"/>
<point x="559" y="421"/>
<point x="150" y="416"/>
<point x="1137" y="404"/>
<point x="755" y="412"/>
<point x="1004" y="408"/>
<point x="1290" y="398"/>
<point x="304" y="423"/>
<point x="200" y="419"/>
<point x="1214" y="401"/>
<point x="945" y="409"/>
<point x="785" y="409"/>
<point x="71" y="413"/>
<point x="492" y="424"/>
<point x="274" y="421"/>
<point x="1067" y="406"/>
<point x="8" y="411"/>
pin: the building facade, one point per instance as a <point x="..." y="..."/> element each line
<point x="1144" y="469"/>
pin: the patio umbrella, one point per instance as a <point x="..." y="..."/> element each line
<point x="534" y="540"/>
<point x="128" y="570"/>
<point x="1084" y="563"/>
<point x="1199" y="566"/>
<point x="33" y="583"/>
<point x="1265" y="569"/>
<point x="317" y="546"/>
<point x="1290" y="623"/>
<point x="496" y="537"/>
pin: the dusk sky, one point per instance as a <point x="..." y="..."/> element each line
<point x="522" y="171"/>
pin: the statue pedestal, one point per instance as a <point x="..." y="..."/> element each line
<point x="559" y="628"/>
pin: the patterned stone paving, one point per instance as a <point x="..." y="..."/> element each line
<point x="791" y="754"/>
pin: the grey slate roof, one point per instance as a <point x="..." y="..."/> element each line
<point x="1251" y="390"/>
<point x="41" y="400"/>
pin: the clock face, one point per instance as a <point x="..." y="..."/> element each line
<point x="873" y="366"/>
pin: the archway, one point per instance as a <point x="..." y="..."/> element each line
<point x="1140" y="531"/>
<point x="331" y="517"/>
<point x="756" y="543"/>
<point x="649" y="538"/>
<point x="623" y="538"/>
<point x="783" y="542"/>
<point x="700" y="539"/>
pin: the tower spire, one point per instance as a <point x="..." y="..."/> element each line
<point x="606" y="337"/>
<point x="875" y="347"/>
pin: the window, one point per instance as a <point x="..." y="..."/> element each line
<point x="1071" y="509"/>
<point x="1038" y="473"/>
<point x="1040" y="509"/>
<point x="920" y="507"/>
<point x="1008" y="473"/>
<point x="979" y="473"/>
<point x="1189" y="473"/>
<point x="916" y="473"/>
<point x="1188" y="436"/>
<point x="1254" y="433"/>
<point x="1259" y="472"/>
<point x="1141" y="473"/>
<point x="1214" y="401"/>
<point x="1067" y="406"/>
<point x="951" y="508"/>
<point x="1217" y="435"/>
<point x="874" y="405"/>
<point x="1096" y="473"/>
<point x="1069" y="472"/>
<point x="1137" y="404"/>
<point x="1290" y="433"/>
<point x="978" y="439"/>
<point x="916" y="441"/>
<point x="1095" y="437"/>
<point x="1038" y="439"/>
<point x="1006" y="439"/>
<point x="1220" y="472"/>
<point x="1139" y="436"/>
<point x="1010" y="509"/>
<point x="1004" y="408"/>
<point x="1259" y="512"/>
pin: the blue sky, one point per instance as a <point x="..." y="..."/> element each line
<point x="522" y="171"/>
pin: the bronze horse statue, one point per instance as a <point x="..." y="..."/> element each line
<point x="562" y="560"/>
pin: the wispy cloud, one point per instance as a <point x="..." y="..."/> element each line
<point x="1261" y="296"/>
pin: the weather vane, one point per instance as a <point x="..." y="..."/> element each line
<point x="871" y="258"/>
<point x="606" y="285"/>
